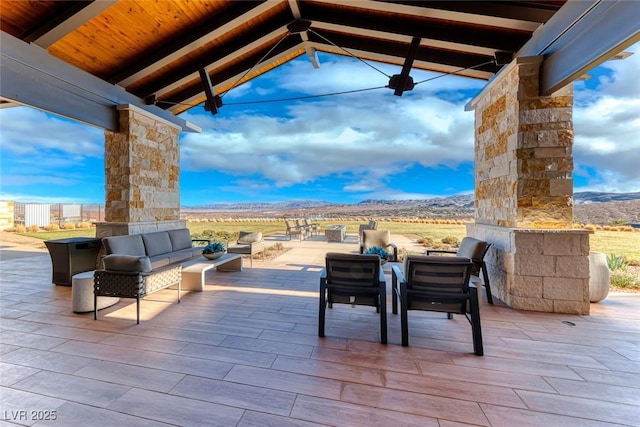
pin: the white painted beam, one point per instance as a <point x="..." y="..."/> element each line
<point x="30" y="76"/>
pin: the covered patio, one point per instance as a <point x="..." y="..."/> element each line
<point x="246" y="352"/>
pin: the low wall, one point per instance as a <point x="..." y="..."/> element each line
<point x="538" y="269"/>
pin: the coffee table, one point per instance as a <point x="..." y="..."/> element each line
<point x="335" y="233"/>
<point x="193" y="271"/>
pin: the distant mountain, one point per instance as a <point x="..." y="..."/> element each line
<point x="595" y="197"/>
<point x="259" y="206"/>
<point x="464" y="201"/>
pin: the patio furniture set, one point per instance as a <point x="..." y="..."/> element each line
<point x="438" y="281"/>
<point x="302" y="228"/>
<point x="134" y="266"/>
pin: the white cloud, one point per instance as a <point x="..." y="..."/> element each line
<point x="370" y="136"/>
<point x="26" y="131"/>
<point x="607" y="127"/>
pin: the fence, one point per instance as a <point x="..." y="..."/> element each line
<point x="43" y="214"/>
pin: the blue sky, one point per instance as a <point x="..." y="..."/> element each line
<point x="340" y="149"/>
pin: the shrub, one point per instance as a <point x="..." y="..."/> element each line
<point x="52" y="227"/>
<point x="85" y="224"/>
<point x="69" y="226"/>
<point x="21" y="228"/>
<point x="451" y="240"/>
<point x="625" y="278"/>
<point x="33" y="228"/>
<point x="616" y="262"/>
<point x="427" y="242"/>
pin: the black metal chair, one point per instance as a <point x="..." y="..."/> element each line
<point x="475" y="249"/>
<point x="356" y="280"/>
<point x="437" y="283"/>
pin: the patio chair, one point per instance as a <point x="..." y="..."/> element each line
<point x="372" y="225"/>
<point x="306" y="229"/>
<point x="476" y="250"/>
<point x="314" y="227"/>
<point x="380" y="238"/>
<point x="436" y="283"/>
<point x="356" y="280"/>
<point x="293" y="229"/>
<point x="248" y="243"/>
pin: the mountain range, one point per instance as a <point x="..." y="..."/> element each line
<point x="589" y="207"/>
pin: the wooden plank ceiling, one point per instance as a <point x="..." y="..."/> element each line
<point x="154" y="49"/>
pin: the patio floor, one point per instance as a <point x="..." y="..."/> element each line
<point x="246" y="352"/>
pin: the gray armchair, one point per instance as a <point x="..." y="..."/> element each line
<point x="476" y="250"/>
<point x="248" y="243"/>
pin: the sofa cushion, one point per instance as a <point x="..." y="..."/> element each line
<point x="245" y="237"/>
<point x="129" y="263"/>
<point x="180" y="239"/>
<point x="124" y="245"/>
<point x="159" y="261"/>
<point x="185" y="254"/>
<point x="157" y="243"/>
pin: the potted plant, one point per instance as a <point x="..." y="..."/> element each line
<point x="213" y="250"/>
<point x="381" y="252"/>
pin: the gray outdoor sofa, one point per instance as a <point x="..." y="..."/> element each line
<point x="140" y="264"/>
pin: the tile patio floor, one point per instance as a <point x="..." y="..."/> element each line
<point x="245" y="352"/>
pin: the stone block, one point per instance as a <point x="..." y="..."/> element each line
<point x="532" y="304"/>
<point x="563" y="288"/>
<point x="567" y="242"/>
<point x="561" y="187"/>
<point x="534" y="265"/>
<point x="571" y="307"/>
<point x="528" y="243"/>
<point x="527" y="286"/>
<point x="576" y="267"/>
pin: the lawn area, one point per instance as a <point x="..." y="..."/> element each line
<point x="610" y="242"/>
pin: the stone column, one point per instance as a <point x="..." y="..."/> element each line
<point x="524" y="193"/>
<point x="142" y="175"/>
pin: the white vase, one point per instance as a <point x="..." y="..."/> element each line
<point x="213" y="256"/>
<point x="599" y="277"/>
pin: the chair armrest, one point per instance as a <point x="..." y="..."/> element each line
<point x="361" y="248"/>
<point x="323" y="274"/>
<point x="382" y="278"/>
<point x="257" y="246"/>
<point x="440" y="251"/>
<point x="396" y="271"/>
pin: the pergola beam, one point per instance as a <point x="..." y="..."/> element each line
<point x="603" y="31"/>
<point x="30" y="76"/>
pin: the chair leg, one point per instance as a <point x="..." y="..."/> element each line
<point x="138" y="309"/>
<point x="485" y="278"/>
<point x="321" y="312"/>
<point x="383" y="318"/>
<point x="394" y="293"/>
<point x="476" y="328"/>
<point x="95" y="306"/>
<point x="404" y="326"/>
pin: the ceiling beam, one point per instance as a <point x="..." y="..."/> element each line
<point x="603" y="31"/>
<point x="73" y="16"/>
<point x="265" y="34"/>
<point x="417" y="64"/>
<point x="393" y="49"/>
<point x="32" y="77"/>
<point x="242" y="12"/>
<point x="519" y="11"/>
<point x="311" y="53"/>
<point x="468" y="18"/>
<point x="459" y="37"/>
<point x="238" y="69"/>
<point x="198" y="98"/>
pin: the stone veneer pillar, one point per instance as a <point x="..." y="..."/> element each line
<point x="142" y="175"/>
<point x="524" y="193"/>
